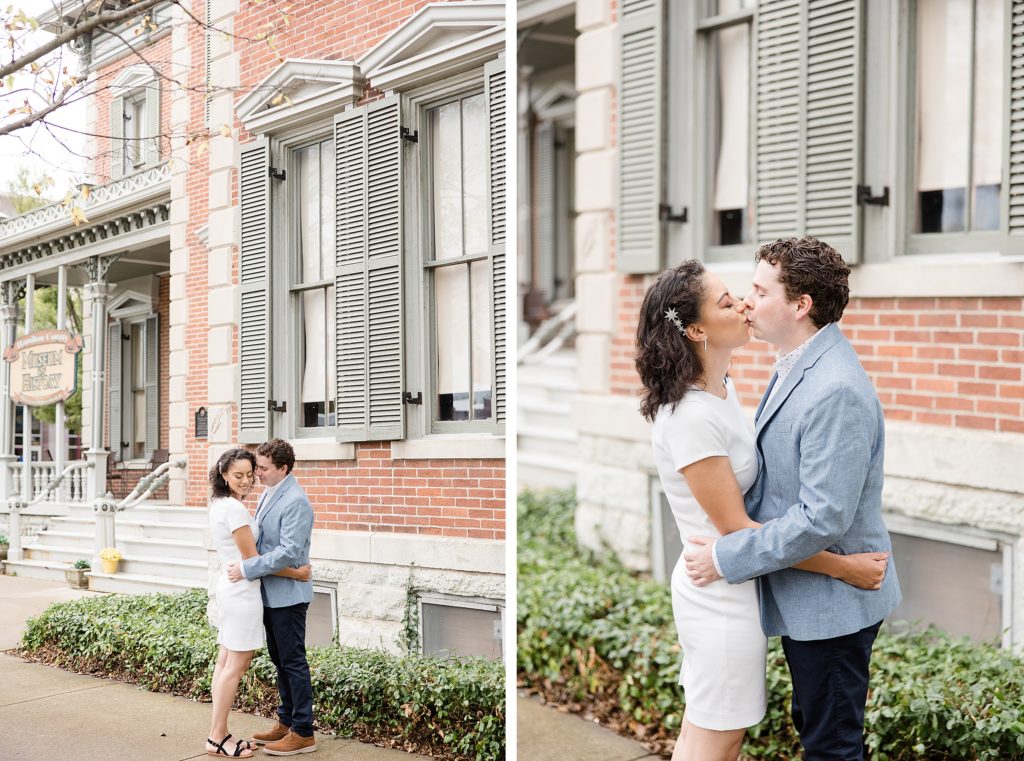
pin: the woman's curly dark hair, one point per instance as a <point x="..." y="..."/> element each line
<point x="665" y="358"/>
<point x="218" y="485"/>
<point x="808" y="265"/>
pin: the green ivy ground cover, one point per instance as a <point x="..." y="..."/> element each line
<point x="596" y="637"/>
<point x="449" y="709"/>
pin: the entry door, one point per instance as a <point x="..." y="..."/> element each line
<point x="134" y="394"/>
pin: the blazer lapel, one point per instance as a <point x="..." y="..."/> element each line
<point x="285" y="486"/>
<point x="821" y="343"/>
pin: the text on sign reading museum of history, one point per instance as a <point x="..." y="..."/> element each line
<point x="44" y="367"/>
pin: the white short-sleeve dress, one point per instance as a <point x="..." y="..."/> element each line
<point x="240" y="604"/>
<point x="724" y="649"/>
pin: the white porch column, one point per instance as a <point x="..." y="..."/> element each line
<point x="60" y="455"/>
<point x="26" y="411"/>
<point x="98" y="292"/>
<point x="8" y="331"/>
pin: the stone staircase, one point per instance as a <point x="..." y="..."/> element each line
<point x="162" y="544"/>
<point x="547" y="444"/>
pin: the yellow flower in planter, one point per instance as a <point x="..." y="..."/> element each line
<point x="110" y="553"/>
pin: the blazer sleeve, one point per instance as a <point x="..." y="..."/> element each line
<point x="836" y="441"/>
<point x="296" y="526"/>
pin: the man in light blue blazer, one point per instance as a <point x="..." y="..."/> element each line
<point x="820" y="438"/>
<point x="285" y="519"/>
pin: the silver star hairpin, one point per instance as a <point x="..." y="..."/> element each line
<point x="673" y="317"/>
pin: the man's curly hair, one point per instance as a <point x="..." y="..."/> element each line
<point x="808" y="265"/>
<point x="279" y="451"/>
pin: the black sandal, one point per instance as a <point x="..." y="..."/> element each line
<point x="238" y="748"/>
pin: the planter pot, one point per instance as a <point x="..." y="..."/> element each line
<point x="109" y="566"/>
<point x="3" y="551"/>
<point x="76" y="578"/>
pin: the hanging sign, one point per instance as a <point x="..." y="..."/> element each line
<point x="44" y="367"/>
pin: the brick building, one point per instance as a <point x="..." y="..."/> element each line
<point x="888" y="129"/>
<point x="327" y="266"/>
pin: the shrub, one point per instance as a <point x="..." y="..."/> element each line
<point x="450" y="709"/>
<point x="594" y="635"/>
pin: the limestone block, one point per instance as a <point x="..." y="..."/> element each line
<point x="592" y="242"/>
<point x="223" y="228"/>
<point x="942" y="503"/>
<point x="221" y="308"/>
<point x="176" y="389"/>
<point x="177" y="288"/>
<point x="176" y="490"/>
<point x="593" y="355"/>
<point x="377" y="635"/>
<point x="596" y="302"/>
<point x="222" y="149"/>
<point x="604" y="530"/>
<point x="218" y="344"/>
<point x="179" y="253"/>
<point x="632" y="455"/>
<point x="219" y="46"/>
<point x="594" y="120"/>
<point x="224" y="71"/>
<point x="219" y="269"/>
<point x="178" y="363"/>
<point x="437" y="581"/>
<point x="219" y="429"/>
<point x="616" y="488"/>
<point x="372" y="601"/>
<point x="178" y="312"/>
<point x="177" y="336"/>
<point x="177" y="441"/>
<point x="222" y="109"/>
<point x="592" y="13"/>
<point x="220" y="186"/>
<point x="597" y="56"/>
<point x="223" y="382"/>
<point x="177" y="415"/>
<point x="596" y="181"/>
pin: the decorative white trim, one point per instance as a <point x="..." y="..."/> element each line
<point x="557" y="102"/>
<point x="484" y="446"/>
<point x="312" y="89"/>
<point x="132" y="77"/>
<point x="443" y="553"/>
<point x="531" y="12"/>
<point x="322" y="449"/>
<point x="439" y="40"/>
<point x="130" y="304"/>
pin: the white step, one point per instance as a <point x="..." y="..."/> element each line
<point x="192" y="549"/>
<point x="51" y="570"/>
<point x="139" y="584"/>
<point x="127" y="526"/>
<point x="165" y="567"/>
<point x="60" y="553"/>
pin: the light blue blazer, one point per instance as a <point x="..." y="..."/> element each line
<point x="286" y="527"/>
<point x="820" y="446"/>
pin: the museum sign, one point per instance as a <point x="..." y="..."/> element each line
<point x="44" y="367"/>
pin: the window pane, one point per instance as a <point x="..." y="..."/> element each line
<point x="451" y="310"/>
<point x="308" y="162"/>
<point x="943" y="97"/>
<point x="730" y="133"/>
<point x="480" y="327"/>
<point x="988" y="115"/>
<point x="318" y="388"/>
<point x="722" y="7"/>
<point x="948" y="585"/>
<point x="452" y="630"/>
<point x="474" y="171"/>
<point x="320" y="621"/>
<point x="327" y="210"/>
<point x="446" y="162"/>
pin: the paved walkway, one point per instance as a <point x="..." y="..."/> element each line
<point x="547" y="734"/>
<point x="51" y="714"/>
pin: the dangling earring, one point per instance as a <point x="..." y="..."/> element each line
<point x="705" y="344"/>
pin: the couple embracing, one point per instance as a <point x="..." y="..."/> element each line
<point x="781" y="523"/>
<point x="263" y="593"/>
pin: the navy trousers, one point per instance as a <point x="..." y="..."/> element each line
<point x="830" y="688"/>
<point x="286" y="643"/>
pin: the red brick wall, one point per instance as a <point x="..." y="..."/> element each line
<point x="953" y="362"/>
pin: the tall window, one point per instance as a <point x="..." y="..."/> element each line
<point x="459" y="269"/>
<point x="727" y="120"/>
<point x="313" y="283"/>
<point x="134" y="125"/>
<point x="960" y="115"/>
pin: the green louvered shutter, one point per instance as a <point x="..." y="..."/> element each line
<point x="808" y="121"/>
<point x="495" y="94"/>
<point x="116" y="138"/>
<point x="640" y="136"/>
<point x="114" y="346"/>
<point x="152" y="144"/>
<point x="254" y="298"/>
<point x="368" y="273"/>
<point x="1016" y="125"/>
<point x="152" y="384"/>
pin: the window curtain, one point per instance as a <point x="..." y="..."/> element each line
<point x="732" y="166"/>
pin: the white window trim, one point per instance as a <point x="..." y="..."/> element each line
<point x="967" y="536"/>
<point x="322" y="448"/>
<point x="443" y="446"/>
<point x="398" y="62"/>
<point x="419" y="342"/>
<point x="658" y="533"/>
<point x="455" y="601"/>
<point x="331" y="590"/>
<point x="315" y="90"/>
<point x="131" y="304"/>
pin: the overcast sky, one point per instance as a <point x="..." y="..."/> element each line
<point x="34" y="147"/>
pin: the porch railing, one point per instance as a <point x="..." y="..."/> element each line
<point x="553" y="333"/>
<point x="45" y="482"/>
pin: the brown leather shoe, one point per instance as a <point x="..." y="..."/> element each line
<point x="273" y="735"/>
<point x="291" y="745"/>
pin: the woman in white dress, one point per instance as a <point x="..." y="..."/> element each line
<point x="704" y="451"/>
<point x="240" y="604"/>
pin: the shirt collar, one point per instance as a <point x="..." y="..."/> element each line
<point x="784" y="364"/>
<point x="270" y="491"/>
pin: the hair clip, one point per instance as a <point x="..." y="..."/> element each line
<point x="672" y="317"/>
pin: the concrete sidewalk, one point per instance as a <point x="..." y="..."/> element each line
<point x="46" y="713"/>
<point x="547" y="734"/>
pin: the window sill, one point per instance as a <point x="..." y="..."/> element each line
<point x="951" y="275"/>
<point x="480" y="446"/>
<point x="322" y="449"/>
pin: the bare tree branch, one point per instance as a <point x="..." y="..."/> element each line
<point x="106" y="18"/>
